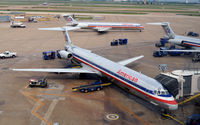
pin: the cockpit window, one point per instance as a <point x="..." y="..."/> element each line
<point x="162" y="92"/>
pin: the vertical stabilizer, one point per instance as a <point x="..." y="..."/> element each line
<point x="166" y="27"/>
<point x="64" y="30"/>
<point x="67" y="40"/>
<point x="68" y="18"/>
<point x="168" y="30"/>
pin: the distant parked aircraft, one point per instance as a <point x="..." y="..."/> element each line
<point x="190" y="44"/>
<point x="102" y="26"/>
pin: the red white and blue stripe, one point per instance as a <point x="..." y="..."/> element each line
<point x="128" y="83"/>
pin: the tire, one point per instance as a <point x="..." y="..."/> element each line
<point x="13" y="56"/>
<point x="3" y="57"/>
<point x="98" y="89"/>
<point x="85" y="90"/>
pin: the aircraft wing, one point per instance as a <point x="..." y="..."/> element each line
<point x="60" y="28"/>
<point x="190" y="50"/>
<point x="61" y="70"/>
<point x="127" y="61"/>
<point x="159" y="23"/>
<point x="102" y="29"/>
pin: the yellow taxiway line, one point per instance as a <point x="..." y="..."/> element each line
<point x="189" y="99"/>
<point x="34" y="111"/>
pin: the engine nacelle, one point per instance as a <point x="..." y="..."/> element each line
<point x="65" y="55"/>
<point x="175" y="41"/>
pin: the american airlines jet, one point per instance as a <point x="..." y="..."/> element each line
<point x="137" y="83"/>
<point x="190" y="44"/>
<point x="102" y="26"/>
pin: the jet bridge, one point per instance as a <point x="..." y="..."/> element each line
<point x="181" y="83"/>
<point x="170" y="83"/>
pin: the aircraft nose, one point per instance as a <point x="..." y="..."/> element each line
<point x="173" y="107"/>
<point x="142" y="27"/>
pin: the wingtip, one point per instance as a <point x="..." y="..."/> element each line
<point x="141" y="56"/>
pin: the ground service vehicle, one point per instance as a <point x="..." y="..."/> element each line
<point x="15" y="24"/>
<point x="193" y="120"/>
<point x="119" y="42"/>
<point x="95" y="86"/>
<point x="162" y="42"/>
<point x="114" y="43"/>
<point x="123" y="41"/>
<point x="48" y="55"/>
<point x="192" y="34"/>
<point x="8" y="54"/>
<point x="38" y="83"/>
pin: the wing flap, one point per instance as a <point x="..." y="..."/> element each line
<point x="127" y="61"/>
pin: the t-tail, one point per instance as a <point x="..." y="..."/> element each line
<point x="65" y="32"/>
<point x="69" y="19"/>
<point x="166" y="27"/>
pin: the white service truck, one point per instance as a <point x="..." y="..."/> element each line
<point x="14" y="24"/>
<point x="8" y="54"/>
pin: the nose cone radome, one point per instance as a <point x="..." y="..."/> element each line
<point x="173" y="106"/>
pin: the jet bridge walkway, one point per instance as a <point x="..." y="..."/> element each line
<point x="171" y="84"/>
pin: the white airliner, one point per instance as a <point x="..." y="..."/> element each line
<point x="137" y="83"/>
<point x="190" y="44"/>
<point x="102" y="26"/>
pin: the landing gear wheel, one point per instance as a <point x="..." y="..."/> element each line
<point x="85" y="90"/>
<point x="82" y="75"/>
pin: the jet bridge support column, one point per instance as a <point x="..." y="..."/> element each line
<point x="180" y="81"/>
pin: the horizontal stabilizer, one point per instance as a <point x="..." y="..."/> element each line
<point x="60" y="28"/>
<point x="192" y="51"/>
<point x="127" y="61"/>
<point x="65" y="70"/>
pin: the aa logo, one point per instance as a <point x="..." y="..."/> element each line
<point x="167" y="30"/>
<point x="69" y="19"/>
